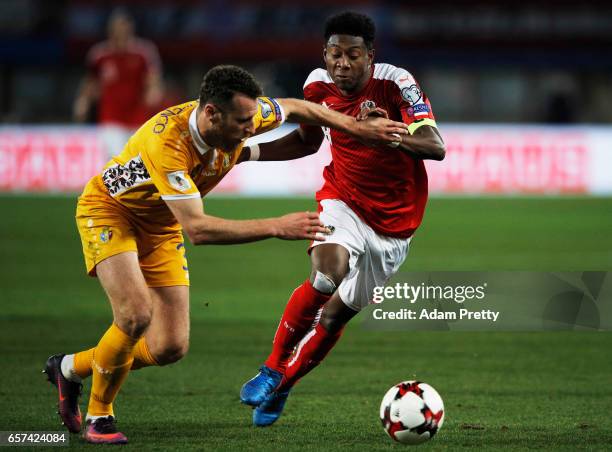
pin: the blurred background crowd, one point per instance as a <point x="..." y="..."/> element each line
<point x="541" y="61"/>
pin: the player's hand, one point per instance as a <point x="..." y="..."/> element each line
<point x="380" y="131"/>
<point x="375" y="112"/>
<point x="301" y="226"/>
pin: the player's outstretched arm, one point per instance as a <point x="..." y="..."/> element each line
<point x="294" y="145"/>
<point x="375" y="131"/>
<point x="205" y="229"/>
<point x="426" y="143"/>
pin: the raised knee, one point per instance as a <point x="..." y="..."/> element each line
<point x="327" y="281"/>
<point x="337" y="273"/>
<point x="172" y="352"/>
<point x="136" y="323"/>
<point x="323" y="282"/>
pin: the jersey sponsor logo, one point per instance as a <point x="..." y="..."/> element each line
<point x="179" y="181"/>
<point x="119" y="178"/>
<point x="404" y="79"/>
<point x="419" y="110"/>
<point x="412" y="94"/>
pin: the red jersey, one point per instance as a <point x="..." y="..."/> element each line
<point x="386" y="187"/>
<point x="122" y="77"/>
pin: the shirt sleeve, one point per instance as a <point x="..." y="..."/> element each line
<point x="269" y="115"/>
<point x="169" y="167"/>
<point x="412" y="102"/>
<point x="311" y="94"/>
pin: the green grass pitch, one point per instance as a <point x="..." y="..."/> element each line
<point x="509" y="391"/>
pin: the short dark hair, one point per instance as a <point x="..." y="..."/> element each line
<point x="222" y="82"/>
<point x="353" y="24"/>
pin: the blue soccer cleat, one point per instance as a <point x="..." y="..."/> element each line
<point x="270" y="409"/>
<point x="255" y="391"/>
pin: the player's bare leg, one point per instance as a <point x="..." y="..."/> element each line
<point x="330" y="264"/>
<point x="310" y="352"/>
<point x="166" y="341"/>
<point x="167" y="338"/>
<point x="132" y="306"/>
<point x="330" y="259"/>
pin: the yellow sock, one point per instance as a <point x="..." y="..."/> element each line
<point x="111" y="364"/>
<point x="82" y="362"/>
<point x="142" y="355"/>
<point x="142" y="358"/>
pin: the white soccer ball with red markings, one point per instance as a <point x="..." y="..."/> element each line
<point x="412" y="412"/>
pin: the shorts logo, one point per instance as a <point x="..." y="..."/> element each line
<point x="106" y="234"/>
<point x="331" y="229"/>
<point x="179" y="181"/>
<point x="412" y="94"/>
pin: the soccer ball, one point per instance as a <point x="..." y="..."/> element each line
<point x="412" y="412"/>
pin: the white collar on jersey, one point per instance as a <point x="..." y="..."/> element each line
<point x="199" y="142"/>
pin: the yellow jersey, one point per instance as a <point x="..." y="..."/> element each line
<point x="167" y="159"/>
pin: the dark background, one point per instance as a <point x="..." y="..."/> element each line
<point x="480" y="61"/>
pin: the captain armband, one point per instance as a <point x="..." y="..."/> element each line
<point x="419" y="123"/>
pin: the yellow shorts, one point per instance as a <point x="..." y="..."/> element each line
<point x="106" y="230"/>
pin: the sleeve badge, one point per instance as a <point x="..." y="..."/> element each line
<point x="179" y="181"/>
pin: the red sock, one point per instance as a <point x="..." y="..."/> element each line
<point x="311" y="351"/>
<point x="299" y="315"/>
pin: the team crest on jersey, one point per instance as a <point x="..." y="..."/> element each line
<point x="367" y="105"/>
<point x="179" y="181"/>
<point x="412" y="94"/>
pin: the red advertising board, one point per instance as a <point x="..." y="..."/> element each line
<point x="481" y="159"/>
<point x="511" y="161"/>
<point x="48" y="160"/>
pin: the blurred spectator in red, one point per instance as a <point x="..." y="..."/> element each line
<point x="124" y="77"/>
